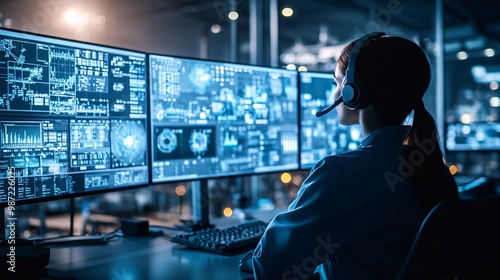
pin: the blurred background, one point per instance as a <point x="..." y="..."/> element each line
<point x="461" y="39"/>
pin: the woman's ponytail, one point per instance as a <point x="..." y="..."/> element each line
<point x="425" y="154"/>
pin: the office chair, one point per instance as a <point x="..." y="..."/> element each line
<point x="459" y="239"/>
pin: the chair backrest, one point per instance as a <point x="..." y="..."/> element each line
<point x="459" y="239"/>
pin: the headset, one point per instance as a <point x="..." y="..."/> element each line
<point x="351" y="94"/>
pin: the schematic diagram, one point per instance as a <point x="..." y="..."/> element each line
<point x="92" y="69"/>
<point x="127" y="86"/>
<point x="90" y="144"/>
<point x="62" y="81"/>
<point x="38" y="78"/>
<point x="50" y="79"/>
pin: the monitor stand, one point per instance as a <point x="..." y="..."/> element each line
<point x="200" y="208"/>
<point x="201" y="205"/>
<point x="72" y="239"/>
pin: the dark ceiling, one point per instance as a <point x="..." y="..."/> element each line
<point x="482" y="15"/>
<point x="177" y="26"/>
<point x="471" y="23"/>
<point x="462" y="19"/>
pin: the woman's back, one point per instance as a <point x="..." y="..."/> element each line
<point x="357" y="214"/>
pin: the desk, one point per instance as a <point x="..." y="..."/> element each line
<point x="144" y="258"/>
<point x="137" y="258"/>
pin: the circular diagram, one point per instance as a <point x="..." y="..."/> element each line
<point x="166" y="141"/>
<point x="128" y="141"/>
<point x="198" y="142"/>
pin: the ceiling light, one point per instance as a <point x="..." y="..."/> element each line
<point x="495" y="102"/>
<point x="215" y="28"/>
<point x="287" y="12"/>
<point x="233" y="15"/>
<point x="493" y="85"/>
<point x="72" y="17"/>
<point x="462" y="55"/>
<point x="489" y="52"/>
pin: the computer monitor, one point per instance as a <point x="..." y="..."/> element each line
<point x="473" y="136"/>
<point x="73" y="118"/>
<point x="212" y="119"/>
<point x="323" y="136"/>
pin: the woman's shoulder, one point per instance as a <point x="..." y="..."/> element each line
<point x="340" y="161"/>
<point x="358" y="155"/>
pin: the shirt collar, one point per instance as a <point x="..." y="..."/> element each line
<point x="393" y="133"/>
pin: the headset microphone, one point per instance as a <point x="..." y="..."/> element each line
<point x="329" y="108"/>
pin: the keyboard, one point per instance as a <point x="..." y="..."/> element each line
<point x="225" y="241"/>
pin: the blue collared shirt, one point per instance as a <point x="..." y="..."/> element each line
<point x="355" y="217"/>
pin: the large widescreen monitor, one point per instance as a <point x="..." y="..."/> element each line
<point x="323" y="136"/>
<point x="212" y="119"/>
<point x="73" y="117"/>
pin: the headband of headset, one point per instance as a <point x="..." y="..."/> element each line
<point x="352" y="95"/>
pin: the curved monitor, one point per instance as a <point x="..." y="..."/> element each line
<point x="323" y="136"/>
<point x="73" y="117"/>
<point x="212" y="119"/>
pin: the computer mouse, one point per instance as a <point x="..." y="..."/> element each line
<point x="246" y="262"/>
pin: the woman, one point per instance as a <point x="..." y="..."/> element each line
<point x="357" y="213"/>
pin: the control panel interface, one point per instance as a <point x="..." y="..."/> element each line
<point x="322" y="136"/>
<point x="473" y="136"/>
<point x="217" y="119"/>
<point x="73" y="116"/>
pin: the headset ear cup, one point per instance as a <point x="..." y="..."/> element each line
<point x="350" y="96"/>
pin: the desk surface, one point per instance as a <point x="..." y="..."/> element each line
<point x="138" y="258"/>
<point x="141" y="258"/>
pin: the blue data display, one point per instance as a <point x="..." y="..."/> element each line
<point x="323" y="136"/>
<point x="212" y="119"/>
<point x="73" y="116"/>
